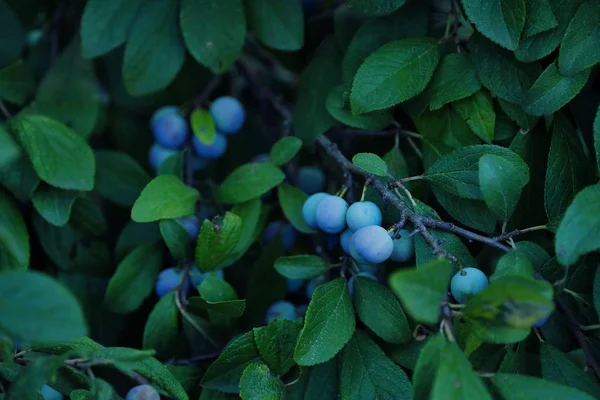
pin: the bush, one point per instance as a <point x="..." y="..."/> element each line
<point x="156" y="229"/>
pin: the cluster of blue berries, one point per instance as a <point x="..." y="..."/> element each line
<point x="143" y="392"/>
<point x="171" y="131"/>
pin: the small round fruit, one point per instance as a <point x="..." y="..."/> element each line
<point x="167" y="281"/>
<point x="49" y="393"/>
<point x="310" y="179"/>
<point x="287" y="232"/>
<point x="404" y="247"/>
<point x="345" y="240"/>
<point x="158" y="154"/>
<point x="169" y="128"/>
<point x="262" y="157"/>
<point x="373" y="243"/>
<point x="467" y="283"/>
<point x="353" y="278"/>
<point x="293" y="285"/>
<point x="331" y="214"/>
<point x="309" y="209"/>
<point x="210" y="151"/>
<point x="191" y="224"/>
<point x="363" y="213"/>
<point x="311" y="286"/>
<point x="281" y="310"/>
<point x="196" y="277"/>
<point x="228" y="113"/>
<point x="143" y="392"/>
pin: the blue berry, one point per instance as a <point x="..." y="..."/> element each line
<point x="287" y="232"/>
<point x="309" y="209"/>
<point x="467" y="283"/>
<point x="281" y="310"/>
<point x="167" y="281"/>
<point x="293" y="285"/>
<point x="353" y="278"/>
<point x="157" y="154"/>
<point x="311" y="286"/>
<point x="49" y="393"/>
<point x="228" y="114"/>
<point x="191" y="224"/>
<point x="169" y="128"/>
<point x="196" y="277"/>
<point x="262" y="157"/>
<point x="210" y="151"/>
<point x="331" y="214"/>
<point x="143" y="392"/>
<point x="363" y="213"/>
<point x="373" y="243"/>
<point x="310" y="180"/>
<point x="541" y="322"/>
<point x="404" y="247"/>
<point x="345" y="240"/>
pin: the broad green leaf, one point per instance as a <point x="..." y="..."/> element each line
<point x="134" y="235"/>
<point x="478" y="112"/>
<point x="578" y="232"/>
<point x="473" y="213"/>
<point x="322" y="74"/>
<point x="87" y="217"/>
<point x="155" y="52"/>
<point x="277" y="24"/>
<point x="250" y="213"/>
<point x="163" y="198"/>
<point x="258" y="383"/>
<point x="375" y="7"/>
<point x="520" y="387"/>
<point x="551" y="90"/>
<point x="559" y="368"/>
<point x="119" y="178"/>
<point x="220" y="299"/>
<point x="514" y="262"/>
<point x="338" y="106"/>
<point x="275" y="343"/>
<point x="248" y="182"/>
<point x="173" y="165"/>
<point x="371" y="163"/>
<point x="597" y="137"/>
<point x="517" y="114"/>
<point x="227" y="308"/>
<point x="12" y="34"/>
<point x="225" y="372"/>
<point x="214" y="31"/>
<point x="379" y="309"/>
<point x="501" y="21"/>
<point x="567" y="168"/>
<point x="454" y="79"/>
<point x="203" y="125"/>
<point x="328" y="325"/>
<point x="301" y="266"/>
<point x="427" y="366"/>
<point x="367" y="373"/>
<point x="30" y="381"/>
<point x="284" y="150"/>
<point x="16" y="83"/>
<point x="133" y="280"/>
<point x="59" y="156"/>
<point x="421" y="290"/>
<point x="396" y="163"/>
<point x="320" y="382"/>
<point x="105" y="25"/>
<point x="579" y="49"/>
<point x="162" y="325"/>
<point x="501" y="184"/>
<point x="394" y="73"/>
<point x="57" y="243"/>
<point x="539" y="18"/>
<point x="291" y="200"/>
<point x="19" y="177"/>
<point x="53" y="204"/>
<point x="9" y="150"/>
<point x="14" y="239"/>
<point x="217" y="242"/>
<point x="176" y="238"/>
<point x="35" y="307"/>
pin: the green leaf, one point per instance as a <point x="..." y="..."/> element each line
<point x="284" y="150"/>
<point x="454" y="79"/>
<point x="539" y="18"/>
<point x="258" y="383"/>
<point x="375" y="7"/>
<point x="275" y="343"/>
<point x="203" y="125"/>
<point x="301" y="266"/>
<point x="337" y="105"/>
<point x="396" y="163"/>
<point x="176" y="238"/>
<point x="277" y="24"/>
<point x="9" y="150"/>
<point x="517" y="114"/>
<point x="105" y="25"/>
<point x="394" y="73"/>
<point x="16" y="83"/>
<point x="248" y="182"/>
<point x="577" y="233"/>
<point x="162" y="325"/>
<point x="164" y="197"/>
<point x="371" y="163"/>
<point x="59" y="156"/>
<point x="119" y="178"/>
<point x="214" y="31"/>
<point x="427" y="365"/>
<point x="517" y="387"/>
<point x="291" y="200"/>
<point x="551" y="90"/>
<point x="311" y="118"/>
<point x="379" y="309"/>
<point x="155" y="52"/>
<point x="421" y="290"/>
<point x="473" y="213"/>
<point x="559" y="368"/>
<point x="173" y="165"/>
<point x="501" y="184"/>
<point x="35" y="307"/>
<point x="328" y="325"/>
<point x="501" y="21"/>
<point x="133" y="280"/>
<point x="134" y="235"/>
<point x="14" y="239"/>
<point x="597" y="137"/>
<point x="225" y="372"/>
<point x="250" y="213"/>
<point x="579" y="47"/>
<point x="12" y="33"/>
<point x="53" y="204"/>
<point x="567" y="168"/>
<point x="219" y="298"/>
<point x="514" y="262"/>
<point x="216" y="243"/>
<point x="367" y="373"/>
<point x="478" y="112"/>
<point x="87" y="217"/>
<point x="30" y="381"/>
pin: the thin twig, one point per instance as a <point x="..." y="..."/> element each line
<point x="516" y="232"/>
<point x="5" y="111"/>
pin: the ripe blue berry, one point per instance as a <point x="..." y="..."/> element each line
<point x="310" y="180"/>
<point x="262" y="157"/>
<point x="157" y="154"/>
<point x="373" y="244"/>
<point x="331" y="214"/>
<point x="363" y="213"/>
<point x="287" y="232"/>
<point x="404" y="247"/>
<point x="143" y="392"/>
<point x="309" y="209"/>
<point x="228" y="114"/>
<point x="467" y="283"/>
<point x="345" y="240"/>
<point x="311" y="286"/>
<point x="353" y="278"/>
<point x="169" y="128"/>
<point x="210" y="151"/>
<point x="191" y="224"/>
<point x="49" y="393"/>
<point x="281" y="310"/>
<point x="293" y="285"/>
<point x="196" y="277"/>
<point x="167" y="281"/>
